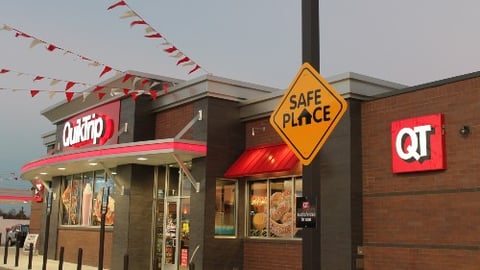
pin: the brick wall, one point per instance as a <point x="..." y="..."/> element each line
<point x="36" y="211"/>
<point x="168" y="123"/>
<point x="267" y="136"/>
<point x="88" y="240"/>
<point x="424" y="220"/>
<point x="268" y="255"/>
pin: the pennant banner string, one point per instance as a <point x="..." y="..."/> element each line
<point x="69" y="83"/>
<point x="51" y="47"/>
<point x="151" y="33"/>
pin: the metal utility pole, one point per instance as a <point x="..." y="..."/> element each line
<point x="311" y="259"/>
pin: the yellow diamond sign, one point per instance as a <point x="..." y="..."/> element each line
<point x="308" y="113"/>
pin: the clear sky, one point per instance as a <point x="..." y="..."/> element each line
<point x="258" y="41"/>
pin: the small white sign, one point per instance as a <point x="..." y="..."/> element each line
<point x="31" y="238"/>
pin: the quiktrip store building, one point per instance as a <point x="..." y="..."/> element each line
<point x="199" y="176"/>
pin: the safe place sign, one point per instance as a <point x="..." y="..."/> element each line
<point x="308" y="113"/>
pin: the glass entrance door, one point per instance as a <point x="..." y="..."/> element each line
<point x="176" y="223"/>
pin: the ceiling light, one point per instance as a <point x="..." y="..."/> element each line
<point x="142" y="158"/>
<point x="62" y="169"/>
<point x="93" y="163"/>
<point x="43" y="173"/>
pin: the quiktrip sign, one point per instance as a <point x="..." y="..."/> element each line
<point x="418" y="144"/>
<point x="92" y="128"/>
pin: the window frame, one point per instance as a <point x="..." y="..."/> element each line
<point x="249" y="214"/>
<point x="234" y="208"/>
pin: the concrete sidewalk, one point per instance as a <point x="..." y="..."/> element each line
<point x="37" y="262"/>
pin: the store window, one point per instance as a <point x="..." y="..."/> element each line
<point x="272" y="207"/>
<point x="226" y="207"/>
<point x="82" y="199"/>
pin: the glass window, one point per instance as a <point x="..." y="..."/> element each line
<point x="225" y="207"/>
<point x="87" y="199"/>
<point x="272" y="207"/>
<point x="71" y="200"/>
<point x="82" y="199"/>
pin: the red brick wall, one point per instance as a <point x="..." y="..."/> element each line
<point x="269" y="136"/>
<point x="170" y="122"/>
<point x="425" y="220"/>
<point x="268" y="255"/>
<point x="35" y="217"/>
<point x="88" y="240"/>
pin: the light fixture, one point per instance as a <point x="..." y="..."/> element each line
<point x="62" y="169"/>
<point x="257" y="128"/>
<point x="464" y="131"/>
<point x="142" y="158"/>
<point x="43" y="173"/>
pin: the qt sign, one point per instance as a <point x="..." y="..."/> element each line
<point x="418" y="144"/>
<point x="307" y="113"/>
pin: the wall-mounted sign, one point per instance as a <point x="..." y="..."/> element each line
<point x="306" y="213"/>
<point x="418" y="144"/>
<point x="93" y="127"/>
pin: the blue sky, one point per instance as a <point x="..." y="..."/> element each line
<point x="258" y="41"/>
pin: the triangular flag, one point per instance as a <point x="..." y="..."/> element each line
<point x="149" y="29"/>
<point x="105" y="70"/>
<point x="69" y="95"/>
<point x="188" y="64"/>
<point x="194" y="69"/>
<point x="127" y="76"/>
<point x="153" y="93"/>
<point x="98" y="88"/>
<point x="121" y="3"/>
<point x="135" y="80"/>
<point x="165" y="88"/>
<point x="38" y="78"/>
<point x="101" y="95"/>
<point x="35" y="42"/>
<point x="177" y="55"/>
<point x="128" y="14"/>
<point x="51" y="47"/>
<point x="20" y="34"/>
<point x="94" y="64"/>
<point x="85" y="94"/>
<point x="156" y="35"/>
<point x="137" y="22"/>
<point x="69" y="85"/>
<point x="54" y="81"/>
<point x="34" y="92"/>
<point x="134" y="96"/>
<point x="145" y="81"/>
<point x="183" y="60"/>
<point x="113" y="92"/>
<point x="154" y="84"/>
<point x="6" y="27"/>
<point x="171" y="49"/>
<point x="3" y="70"/>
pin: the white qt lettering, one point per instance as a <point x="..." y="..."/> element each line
<point x="418" y="148"/>
<point x="87" y="128"/>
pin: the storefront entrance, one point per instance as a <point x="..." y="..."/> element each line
<point x="172" y="222"/>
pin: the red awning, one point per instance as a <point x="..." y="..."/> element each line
<point x="263" y="159"/>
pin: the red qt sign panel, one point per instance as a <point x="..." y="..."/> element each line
<point x="418" y="144"/>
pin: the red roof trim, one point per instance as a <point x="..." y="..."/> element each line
<point x="263" y="159"/>
<point x="15" y="198"/>
<point x="119" y="150"/>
